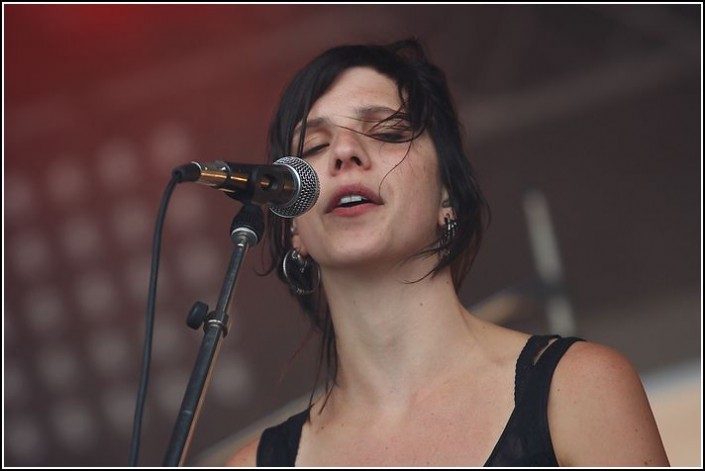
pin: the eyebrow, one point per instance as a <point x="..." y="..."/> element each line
<point x="359" y="113"/>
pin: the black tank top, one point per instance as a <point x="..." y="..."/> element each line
<point x="525" y="441"/>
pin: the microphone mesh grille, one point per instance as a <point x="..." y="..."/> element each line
<point x="308" y="189"/>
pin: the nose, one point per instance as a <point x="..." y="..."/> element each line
<point x="347" y="152"/>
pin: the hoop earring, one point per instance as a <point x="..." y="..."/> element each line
<point x="447" y="235"/>
<point x="302" y="274"/>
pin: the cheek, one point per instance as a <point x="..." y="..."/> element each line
<point x="418" y="176"/>
<point x="306" y="229"/>
<point x="319" y="166"/>
<point x="318" y="163"/>
<point x="423" y="191"/>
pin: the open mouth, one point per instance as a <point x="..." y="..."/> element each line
<point x="349" y="197"/>
<point x="349" y="201"/>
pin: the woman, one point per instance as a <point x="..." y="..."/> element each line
<point x="412" y="378"/>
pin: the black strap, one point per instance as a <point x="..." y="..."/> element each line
<point x="526" y="440"/>
<point x="526" y="361"/>
<point x="534" y="404"/>
<point x="546" y="365"/>
<point x="279" y="445"/>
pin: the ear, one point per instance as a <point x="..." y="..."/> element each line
<point x="296" y="241"/>
<point x="445" y="209"/>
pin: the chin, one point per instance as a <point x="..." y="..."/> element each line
<point x="357" y="255"/>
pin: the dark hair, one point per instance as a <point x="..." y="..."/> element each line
<point x="428" y="105"/>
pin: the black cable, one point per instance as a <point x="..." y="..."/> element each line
<point x="149" y="328"/>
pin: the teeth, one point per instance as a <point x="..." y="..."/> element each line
<point x="351" y="199"/>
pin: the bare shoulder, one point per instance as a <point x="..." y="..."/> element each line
<point x="586" y="362"/>
<point x="599" y="414"/>
<point x="245" y="456"/>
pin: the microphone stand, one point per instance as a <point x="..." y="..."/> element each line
<point x="245" y="231"/>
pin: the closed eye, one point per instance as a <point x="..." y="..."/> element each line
<point x="391" y="136"/>
<point x="314" y="150"/>
<point x="392" y="129"/>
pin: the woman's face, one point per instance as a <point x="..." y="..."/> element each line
<point x="381" y="195"/>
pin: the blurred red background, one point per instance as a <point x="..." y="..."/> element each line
<point x="598" y="106"/>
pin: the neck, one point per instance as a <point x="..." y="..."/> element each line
<point x="394" y="337"/>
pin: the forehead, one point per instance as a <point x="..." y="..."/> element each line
<point x="358" y="88"/>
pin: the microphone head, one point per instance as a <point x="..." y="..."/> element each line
<point x="307" y="192"/>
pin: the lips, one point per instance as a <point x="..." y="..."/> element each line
<point x="351" y="196"/>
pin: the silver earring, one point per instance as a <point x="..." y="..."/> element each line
<point x="448" y="234"/>
<point x="302" y="274"/>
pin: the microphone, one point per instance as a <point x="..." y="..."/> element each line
<point x="290" y="185"/>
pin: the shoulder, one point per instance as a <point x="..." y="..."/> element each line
<point x="585" y="362"/>
<point x="598" y="411"/>
<point x="245" y="456"/>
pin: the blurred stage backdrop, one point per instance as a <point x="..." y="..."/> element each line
<point x="584" y="123"/>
